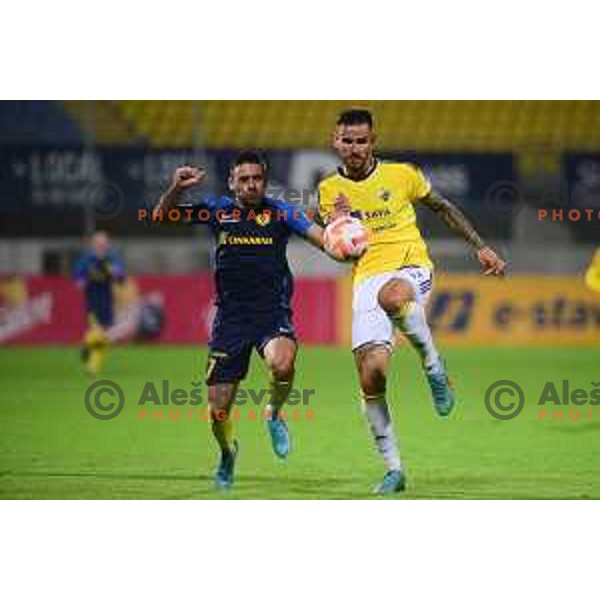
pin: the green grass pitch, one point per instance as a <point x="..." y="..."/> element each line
<point x="50" y="447"/>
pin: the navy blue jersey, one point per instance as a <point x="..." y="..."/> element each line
<point x="252" y="274"/>
<point x="98" y="276"/>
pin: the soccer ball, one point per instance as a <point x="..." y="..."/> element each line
<point x="346" y="238"/>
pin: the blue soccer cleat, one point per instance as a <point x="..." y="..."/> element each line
<point x="393" y="482"/>
<point x="280" y="436"/>
<point x="224" y="474"/>
<point x="442" y="391"/>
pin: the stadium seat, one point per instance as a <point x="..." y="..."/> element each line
<point x="410" y="125"/>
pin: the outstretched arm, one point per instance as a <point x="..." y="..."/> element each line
<point x="313" y="231"/>
<point x="490" y="262"/>
<point x="315" y="234"/>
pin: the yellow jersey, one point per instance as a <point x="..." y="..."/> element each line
<point x="592" y="276"/>
<point x="383" y="201"/>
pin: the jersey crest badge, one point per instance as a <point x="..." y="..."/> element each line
<point x="384" y="194"/>
<point x="263" y="219"/>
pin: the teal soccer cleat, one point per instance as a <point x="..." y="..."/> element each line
<point x="393" y="482"/>
<point x="224" y="474"/>
<point x="280" y="436"/>
<point x="442" y="391"/>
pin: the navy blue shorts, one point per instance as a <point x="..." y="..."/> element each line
<point x="102" y="314"/>
<point x="232" y="343"/>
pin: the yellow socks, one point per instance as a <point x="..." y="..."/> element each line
<point x="96" y="344"/>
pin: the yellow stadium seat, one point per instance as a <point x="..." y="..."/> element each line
<point x="451" y="125"/>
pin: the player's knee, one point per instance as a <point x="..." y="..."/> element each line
<point x="373" y="381"/>
<point x="372" y="375"/>
<point x="282" y="367"/>
<point x="219" y="397"/>
<point x="393" y="296"/>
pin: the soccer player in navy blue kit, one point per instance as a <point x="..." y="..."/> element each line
<point x="96" y="272"/>
<point x="253" y="294"/>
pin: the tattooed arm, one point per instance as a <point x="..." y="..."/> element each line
<point x="490" y="262"/>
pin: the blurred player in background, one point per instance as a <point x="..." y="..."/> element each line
<point x="393" y="279"/>
<point x="592" y="275"/>
<point x="96" y="272"/>
<point x="254" y="290"/>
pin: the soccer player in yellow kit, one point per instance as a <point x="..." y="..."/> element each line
<point x="592" y="275"/>
<point x="393" y="279"/>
